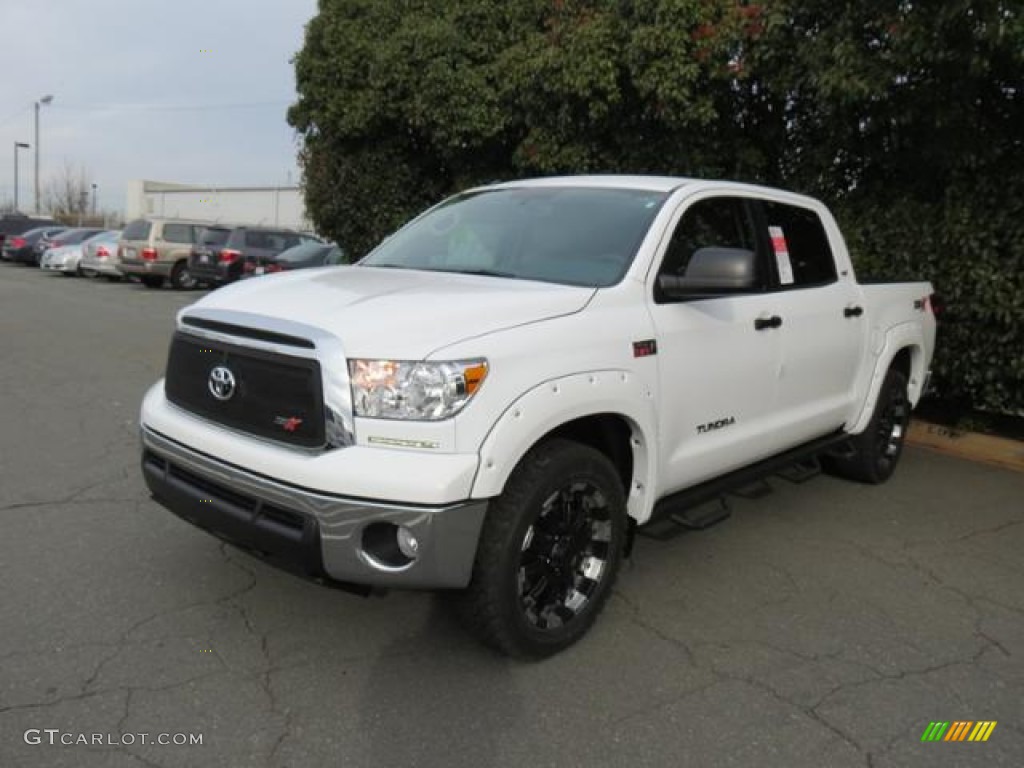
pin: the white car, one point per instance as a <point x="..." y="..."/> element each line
<point x="502" y="392"/>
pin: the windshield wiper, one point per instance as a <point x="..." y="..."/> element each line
<point x="483" y="272"/>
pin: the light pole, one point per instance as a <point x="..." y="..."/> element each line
<point x="17" y="145"/>
<point x="94" y="202"/>
<point x="44" y="100"/>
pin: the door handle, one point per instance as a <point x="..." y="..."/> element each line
<point x="853" y="311"/>
<point x="763" y="323"/>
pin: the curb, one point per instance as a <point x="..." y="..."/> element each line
<point x="973" y="446"/>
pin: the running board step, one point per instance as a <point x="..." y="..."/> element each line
<point x="801" y="471"/>
<point x="756" y="490"/>
<point x="695" y="518"/>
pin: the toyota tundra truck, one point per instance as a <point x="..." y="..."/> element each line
<point x="500" y="394"/>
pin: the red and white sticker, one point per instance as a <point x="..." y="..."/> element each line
<point x="781" y="255"/>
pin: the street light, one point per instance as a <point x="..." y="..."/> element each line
<point x="94" y="201"/>
<point x="17" y="145"/>
<point x="44" y="100"/>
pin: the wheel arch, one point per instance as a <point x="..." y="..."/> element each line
<point x="610" y="411"/>
<point x="903" y="350"/>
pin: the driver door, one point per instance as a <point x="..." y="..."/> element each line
<point x="718" y="366"/>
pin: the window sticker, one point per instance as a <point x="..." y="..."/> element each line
<point x="781" y="255"/>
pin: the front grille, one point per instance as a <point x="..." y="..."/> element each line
<point x="275" y="396"/>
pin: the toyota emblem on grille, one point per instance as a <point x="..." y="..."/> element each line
<point x="221" y="383"/>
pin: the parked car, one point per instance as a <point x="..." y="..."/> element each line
<point x="222" y="252"/>
<point x="18" y="223"/>
<point x="22" y="248"/>
<point x="99" y="255"/>
<point x="504" y="390"/>
<point x="157" y="249"/>
<point x="73" y="236"/>
<point x="302" y="256"/>
<point x="67" y="258"/>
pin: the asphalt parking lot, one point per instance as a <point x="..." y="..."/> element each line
<point x="826" y="624"/>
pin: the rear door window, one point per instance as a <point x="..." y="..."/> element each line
<point x="214" y="236"/>
<point x="178" y="233"/>
<point x="800" y="247"/>
<point x="256" y="239"/>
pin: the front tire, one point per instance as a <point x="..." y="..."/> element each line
<point x="875" y="452"/>
<point x="549" y="551"/>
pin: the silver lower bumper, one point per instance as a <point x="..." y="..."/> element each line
<point x="350" y="540"/>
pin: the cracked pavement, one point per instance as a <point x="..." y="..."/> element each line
<point x="823" y="625"/>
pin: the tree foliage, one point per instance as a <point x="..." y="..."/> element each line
<point x="905" y="117"/>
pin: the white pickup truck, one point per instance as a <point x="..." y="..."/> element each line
<point x="504" y="390"/>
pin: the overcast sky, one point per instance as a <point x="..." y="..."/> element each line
<point x="174" y="90"/>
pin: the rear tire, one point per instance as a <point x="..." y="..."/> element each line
<point x="549" y="552"/>
<point x="152" y="281"/>
<point x="181" y="278"/>
<point x="877" y="450"/>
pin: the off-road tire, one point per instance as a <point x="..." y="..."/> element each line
<point x="871" y="456"/>
<point x="566" y="500"/>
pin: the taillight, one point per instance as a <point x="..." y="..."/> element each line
<point x="149" y="254"/>
<point x="226" y="256"/>
<point x="18" y="242"/>
<point x="248" y="267"/>
<point x="102" y="252"/>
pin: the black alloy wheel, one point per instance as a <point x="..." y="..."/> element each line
<point x="871" y="456"/>
<point x="565" y="555"/>
<point x="549" y="551"/>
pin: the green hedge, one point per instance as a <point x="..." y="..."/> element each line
<point x="971" y="247"/>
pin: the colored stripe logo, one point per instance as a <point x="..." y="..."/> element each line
<point x="959" y="730"/>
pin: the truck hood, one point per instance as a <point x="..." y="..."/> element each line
<point x="390" y="313"/>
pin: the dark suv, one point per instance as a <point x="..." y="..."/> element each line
<point x="222" y="252"/>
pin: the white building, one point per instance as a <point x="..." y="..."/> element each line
<point x="267" y="206"/>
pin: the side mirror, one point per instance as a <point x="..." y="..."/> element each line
<point x="712" y="271"/>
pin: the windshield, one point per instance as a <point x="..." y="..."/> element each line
<point x="574" y="236"/>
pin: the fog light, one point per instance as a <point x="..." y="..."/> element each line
<point x="389" y="546"/>
<point x="407" y="543"/>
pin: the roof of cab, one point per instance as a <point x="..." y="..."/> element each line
<point x="610" y="181"/>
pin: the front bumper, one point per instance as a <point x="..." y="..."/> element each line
<point x="316" y="535"/>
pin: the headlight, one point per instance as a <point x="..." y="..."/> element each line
<point x="418" y="391"/>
